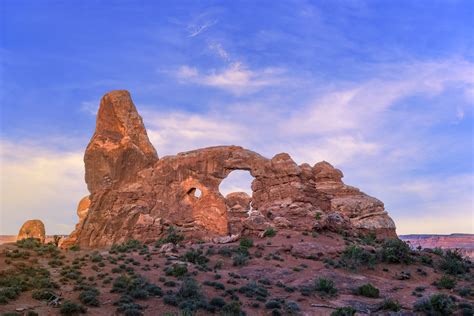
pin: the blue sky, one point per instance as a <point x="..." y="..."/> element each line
<point x="384" y="90"/>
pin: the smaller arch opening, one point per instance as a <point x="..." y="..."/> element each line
<point x="195" y="193"/>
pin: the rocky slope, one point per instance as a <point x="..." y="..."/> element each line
<point x="134" y="194"/>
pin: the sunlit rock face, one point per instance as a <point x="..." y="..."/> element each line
<point x="32" y="229"/>
<point x="136" y="195"/>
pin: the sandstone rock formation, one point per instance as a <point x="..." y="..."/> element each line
<point x="33" y="228"/>
<point x="82" y="210"/>
<point x="136" y="195"/>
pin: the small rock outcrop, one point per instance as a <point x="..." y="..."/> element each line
<point x="33" y="228"/>
<point x="134" y="194"/>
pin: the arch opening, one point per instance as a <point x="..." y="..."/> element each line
<point x="195" y="193"/>
<point x="237" y="181"/>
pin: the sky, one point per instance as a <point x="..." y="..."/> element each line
<point x="383" y="90"/>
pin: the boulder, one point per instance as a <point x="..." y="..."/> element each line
<point x="33" y="228"/>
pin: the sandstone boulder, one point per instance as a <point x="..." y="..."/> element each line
<point x="32" y="229"/>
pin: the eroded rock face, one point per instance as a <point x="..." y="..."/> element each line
<point x="33" y="228"/>
<point x="82" y="210"/>
<point x="120" y="146"/>
<point x="136" y="195"/>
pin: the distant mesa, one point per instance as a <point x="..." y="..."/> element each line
<point x="136" y="195"/>
<point x="33" y="228"/>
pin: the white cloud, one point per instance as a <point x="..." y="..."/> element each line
<point x="39" y="183"/>
<point x="196" y="29"/>
<point x="235" y="78"/>
<point x="220" y="51"/>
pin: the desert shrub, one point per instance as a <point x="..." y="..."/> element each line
<point x="269" y="232"/>
<point x="454" y="263"/>
<point x="75" y="248"/>
<point x="354" y="257"/>
<point x="344" y="311"/>
<point x="135" y="286"/>
<point x="466" y="291"/>
<point x="89" y="296"/>
<point x="216" y="285"/>
<point x="445" y="282"/>
<point x="325" y="287"/>
<point x="437" y="304"/>
<point x="128" y="246"/>
<point x="246" y="243"/>
<point x="188" y="298"/>
<point x="395" y="251"/>
<point x="176" y="270"/>
<point x="232" y="309"/>
<point x="391" y="305"/>
<point x="271" y="304"/>
<point x="71" y="308"/>
<point x="254" y="291"/>
<point x="28" y="243"/>
<point x="426" y="260"/>
<point x="172" y="236"/>
<point x="367" y="290"/>
<point x="195" y="256"/>
<point x="240" y="259"/>
<point x="217" y="302"/>
<point x="43" y="295"/>
<point x="9" y="293"/>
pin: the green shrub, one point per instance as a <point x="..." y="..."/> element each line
<point x="454" y="263"/>
<point x="172" y="236"/>
<point x="396" y="251"/>
<point x="445" y="282"/>
<point x="195" y="256"/>
<point x="437" y="304"/>
<point x="28" y="243"/>
<point x="177" y="270"/>
<point x="354" y="257"/>
<point x="89" y="296"/>
<point x="325" y="287"/>
<point x="246" y="243"/>
<point x="368" y="290"/>
<point x="129" y="245"/>
<point x="240" y="259"/>
<point x="43" y="295"/>
<point x="269" y="232"/>
<point x="71" y="308"/>
<point x="217" y="302"/>
<point x="344" y="311"/>
<point x="391" y="305"/>
<point x="75" y="248"/>
<point x="252" y="290"/>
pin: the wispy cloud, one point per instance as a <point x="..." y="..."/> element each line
<point x="196" y="29"/>
<point x="235" y="78"/>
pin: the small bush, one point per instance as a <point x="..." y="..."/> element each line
<point x="454" y="263"/>
<point x="325" y="287"/>
<point x="177" y="270"/>
<point x="354" y="257"/>
<point x="437" y="304"/>
<point x="195" y="256"/>
<point x="89" y="297"/>
<point x="129" y="245"/>
<point x="445" y="282"/>
<point x="71" y="308"/>
<point x="75" y="248"/>
<point x="391" y="305"/>
<point x="172" y="236"/>
<point x="43" y="295"/>
<point x="240" y="259"/>
<point x="246" y="243"/>
<point x="396" y="251"/>
<point x="269" y="232"/>
<point x="368" y="290"/>
<point x="344" y="311"/>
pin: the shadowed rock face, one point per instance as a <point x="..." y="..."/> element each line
<point x="32" y="229"/>
<point x="136" y="195"/>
